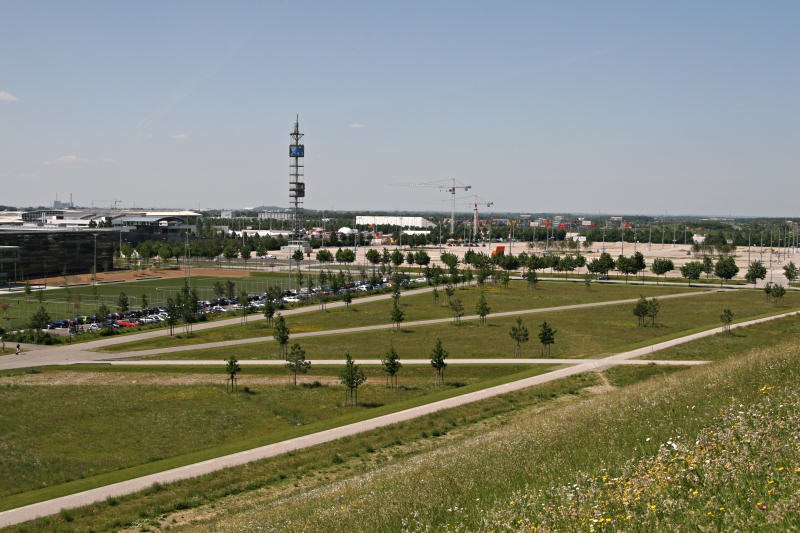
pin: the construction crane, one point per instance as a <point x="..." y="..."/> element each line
<point x="478" y="201"/>
<point x="442" y="186"/>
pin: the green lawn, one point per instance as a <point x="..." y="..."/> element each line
<point x="580" y="333"/>
<point x="61" y="432"/>
<point x="415" y="307"/>
<point x="724" y="345"/>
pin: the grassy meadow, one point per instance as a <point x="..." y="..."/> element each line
<point x="580" y="333"/>
<point x="415" y="307"/>
<point x="64" y="424"/>
<point x="526" y="460"/>
<point x="709" y="448"/>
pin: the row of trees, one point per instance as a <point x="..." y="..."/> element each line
<point x="352" y="375"/>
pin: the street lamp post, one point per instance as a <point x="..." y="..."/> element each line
<point x="94" y="267"/>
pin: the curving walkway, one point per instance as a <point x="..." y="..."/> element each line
<point x="29" y="512"/>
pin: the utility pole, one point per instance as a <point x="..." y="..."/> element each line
<point x="452" y="190"/>
<point x="94" y="268"/>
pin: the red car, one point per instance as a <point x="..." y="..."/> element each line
<point x="127" y="323"/>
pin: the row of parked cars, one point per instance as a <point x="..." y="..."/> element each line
<point x="156" y="315"/>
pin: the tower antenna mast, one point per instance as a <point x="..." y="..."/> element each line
<point x="297" y="187"/>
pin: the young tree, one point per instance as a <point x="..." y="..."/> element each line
<point x="640" y="310"/>
<point x="143" y="301"/>
<point x="352" y="377"/>
<point x="324" y="256"/>
<point x="726" y="317"/>
<point x="638" y="261"/>
<point x="708" y="266"/>
<point x="269" y="310"/>
<point x="391" y="365"/>
<point x="504" y="277"/>
<point x="458" y="310"/>
<point x="438" y="356"/>
<point x="519" y="333"/>
<point x="296" y="362"/>
<point x="230" y="289"/>
<point x="692" y="270"/>
<point x="232" y="368"/>
<point x="547" y="337"/>
<point x="345" y="255"/>
<point x="348" y="299"/>
<point x="726" y="268"/>
<point x="653" y="308"/>
<point x="449" y="290"/>
<point x="244" y="303"/>
<point x="397" y="314"/>
<point x="122" y="303"/>
<point x="755" y="272"/>
<point x="102" y="313"/>
<point x="374" y="257"/>
<point x="280" y="332"/>
<point x="533" y="279"/>
<point x="482" y="308"/>
<point x="790" y="271"/>
<point x="164" y="252"/>
<point x="661" y="266"/>
<point x="173" y="314"/>
<point x="219" y="289"/>
<point x="775" y="292"/>
<point x="39" y="321"/>
<point x="626" y="266"/>
<point x="396" y="258"/>
<point x="422" y="258"/>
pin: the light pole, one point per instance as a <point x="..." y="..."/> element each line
<point x="94" y="267"/>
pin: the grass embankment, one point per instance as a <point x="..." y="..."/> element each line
<point x="580" y="333"/>
<point x="415" y="307"/>
<point x="68" y="437"/>
<point x="295" y="472"/>
<point x="710" y="448"/>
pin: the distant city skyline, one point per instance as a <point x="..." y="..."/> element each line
<point x="612" y="108"/>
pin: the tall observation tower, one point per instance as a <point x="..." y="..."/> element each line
<point x="297" y="187"/>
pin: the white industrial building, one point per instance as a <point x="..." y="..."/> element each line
<point x="401" y="221"/>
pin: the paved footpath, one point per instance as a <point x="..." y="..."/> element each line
<point x="376" y="362"/>
<point x="29" y="512"/>
<point x="60" y="355"/>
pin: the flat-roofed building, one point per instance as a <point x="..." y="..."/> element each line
<point x="401" y="221"/>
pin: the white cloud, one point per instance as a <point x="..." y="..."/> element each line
<point x="357" y="125"/>
<point x="179" y="136"/>
<point x="7" y="97"/>
<point x="70" y="159"/>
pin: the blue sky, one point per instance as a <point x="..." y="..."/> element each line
<point x="630" y="107"/>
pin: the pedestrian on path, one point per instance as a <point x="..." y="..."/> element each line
<point x="18" y="349"/>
